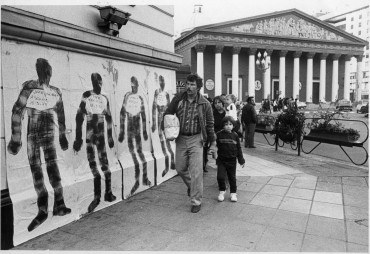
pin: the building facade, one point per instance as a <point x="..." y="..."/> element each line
<point x="356" y="22"/>
<point x="66" y="141"/>
<point x="309" y="59"/>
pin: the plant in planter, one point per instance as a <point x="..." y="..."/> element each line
<point x="324" y="124"/>
<point x="265" y="122"/>
<point x="289" y="125"/>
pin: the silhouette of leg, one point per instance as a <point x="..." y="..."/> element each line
<point x="142" y="157"/>
<point x="97" y="178"/>
<point x="136" y="163"/>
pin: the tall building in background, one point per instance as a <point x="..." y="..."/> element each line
<point x="356" y="22"/>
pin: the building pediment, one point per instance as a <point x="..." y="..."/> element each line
<point x="285" y="24"/>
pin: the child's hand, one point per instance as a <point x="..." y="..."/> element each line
<point x="243" y="165"/>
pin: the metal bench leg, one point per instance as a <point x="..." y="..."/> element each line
<point x="358" y="164"/>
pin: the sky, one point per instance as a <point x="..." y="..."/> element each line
<point x="214" y="11"/>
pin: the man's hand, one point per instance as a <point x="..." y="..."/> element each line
<point x="243" y="165"/>
<point x="63" y="142"/>
<point x="14" y="146"/>
<point x="213" y="149"/>
<point x="145" y="134"/>
<point x="110" y="142"/>
<point x="77" y="145"/>
<point x="121" y="136"/>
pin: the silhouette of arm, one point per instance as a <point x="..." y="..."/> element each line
<point x="18" y="110"/>
<point x="143" y="118"/>
<point x="81" y="112"/>
<point x="108" y="118"/>
<point x="61" y="121"/>
<point x="154" y="110"/>
<point x="121" y="135"/>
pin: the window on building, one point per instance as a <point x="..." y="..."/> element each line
<point x="359" y="32"/>
<point x="360" y="16"/>
<point x="352" y="19"/>
<point x="359" y="24"/>
<point x="351" y="26"/>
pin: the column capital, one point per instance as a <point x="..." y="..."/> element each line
<point x="283" y="53"/>
<point x="219" y="48"/>
<point x="236" y="50"/>
<point x="252" y="51"/>
<point x="269" y="51"/>
<point x="359" y="58"/>
<point x="336" y="56"/>
<point x="200" y="47"/>
<point x="297" y="54"/>
<point x="347" y="57"/>
<point x="323" y="56"/>
<point x="310" y="55"/>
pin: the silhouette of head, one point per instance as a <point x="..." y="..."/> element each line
<point x="161" y="82"/>
<point x="96" y="82"/>
<point x="44" y="70"/>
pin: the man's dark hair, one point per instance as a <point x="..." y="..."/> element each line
<point x="43" y="69"/>
<point x="218" y="98"/>
<point x="195" y="77"/>
<point x="249" y="99"/>
<point x="227" y="119"/>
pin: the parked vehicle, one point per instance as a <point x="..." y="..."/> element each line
<point x="344" y="105"/>
<point x="360" y="104"/>
<point x="301" y="105"/>
<point x="365" y="109"/>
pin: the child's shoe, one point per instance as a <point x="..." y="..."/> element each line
<point x="221" y="196"/>
<point x="233" y="197"/>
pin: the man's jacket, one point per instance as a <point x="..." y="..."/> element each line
<point x="205" y="115"/>
<point x="249" y="114"/>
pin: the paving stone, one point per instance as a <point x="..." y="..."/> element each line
<point x="256" y="214"/>
<point x="355" y="180"/>
<point x="357" y="201"/>
<point x="226" y="247"/>
<point x="356" y="190"/>
<point x="327" y="210"/>
<point x="184" y="243"/>
<point x="353" y="247"/>
<point x="274" y="190"/>
<point x="280" y="181"/>
<point x="290" y="220"/>
<point x="250" y="186"/>
<point x="304" y="183"/>
<point x="300" y="193"/>
<point x="331" y="187"/>
<point x="355" y="213"/>
<point x="328" y="197"/>
<point x="357" y="233"/>
<point x="280" y="240"/>
<point x="313" y="243"/>
<point x="245" y="196"/>
<point x="296" y="205"/>
<point x="266" y="200"/>
<point x="326" y="227"/>
<point x="330" y="179"/>
<point x="259" y="179"/>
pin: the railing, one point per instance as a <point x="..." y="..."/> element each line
<point x="265" y="125"/>
<point x="330" y="139"/>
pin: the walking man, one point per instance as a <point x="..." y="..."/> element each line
<point x="196" y="128"/>
<point x="249" y="119"/>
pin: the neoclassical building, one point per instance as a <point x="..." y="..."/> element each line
<point x="309" y="59"/>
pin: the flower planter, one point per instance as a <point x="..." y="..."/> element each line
<point x="335" y="136"/>
<point x="264" y="127"/>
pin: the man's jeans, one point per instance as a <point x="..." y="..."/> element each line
<point x="189" y="165"/>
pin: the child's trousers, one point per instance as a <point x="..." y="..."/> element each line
<point x="229" y="171"/>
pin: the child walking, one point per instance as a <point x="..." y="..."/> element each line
<point x="229" y="150"/>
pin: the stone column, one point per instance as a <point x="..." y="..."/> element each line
<point x="218" y="70"/>
<point x="200" y="63"/>
<point x="267" y="77"/>
<point x="359" y="77"/>
<point x="235" y="71"/>
<point x="334" y="84"/>
<point x="347" y="80"/>
<point x="322" y="91"/>
<point x="297" y="55"/>
<point x="252" y="72"/>
<point x="282" y="72"/>
<point x="310" y="56"/>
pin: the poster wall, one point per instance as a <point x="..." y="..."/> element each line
<point x="82" y="133"/>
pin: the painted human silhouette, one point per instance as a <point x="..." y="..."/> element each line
<point x="133" y="108"/>
<point x="41" y="101"/>
<point x="160" y="103"/>
<point x="95" y="106"/>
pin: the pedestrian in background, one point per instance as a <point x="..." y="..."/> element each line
<point x="249" y="119"/>
<point x="196" y="129"/>
<point x="229" y="151"/>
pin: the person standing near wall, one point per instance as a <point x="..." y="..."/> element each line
<point x="249" y="119"/>
<point x="196" y="129"/>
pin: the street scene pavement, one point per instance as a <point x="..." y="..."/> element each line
<point x="307" y="203"/>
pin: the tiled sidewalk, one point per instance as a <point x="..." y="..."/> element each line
<point x="279" y="208"/>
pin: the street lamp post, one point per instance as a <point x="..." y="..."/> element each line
<point x="263" y="63"/>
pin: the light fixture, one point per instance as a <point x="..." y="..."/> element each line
<point x="113" y="19"/>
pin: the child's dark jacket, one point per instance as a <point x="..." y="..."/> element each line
<point x="229" y="148"/>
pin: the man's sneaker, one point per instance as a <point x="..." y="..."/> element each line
<point x="221" y="196"/>
<point x="233" y="197"/>
<point x="195" y="208"/>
